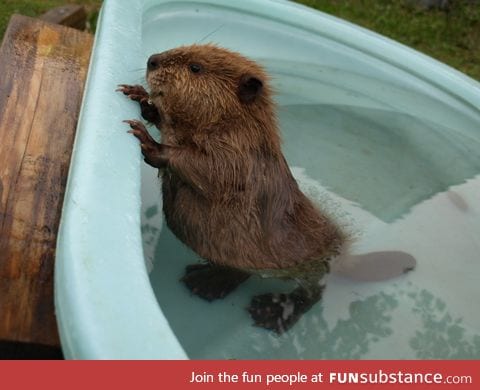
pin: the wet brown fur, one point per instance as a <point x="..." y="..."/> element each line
<point x="228" y="192"/>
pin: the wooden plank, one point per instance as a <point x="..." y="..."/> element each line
<point x="44" y="68"/>
<point x="72" y="15"/>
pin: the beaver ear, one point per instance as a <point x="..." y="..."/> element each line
<point x="249" y="88"/>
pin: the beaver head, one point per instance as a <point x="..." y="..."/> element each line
<point x="205" y="87"/>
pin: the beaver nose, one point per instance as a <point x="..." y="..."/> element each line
<point x="153" y="62"/>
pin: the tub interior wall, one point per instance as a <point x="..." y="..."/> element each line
<point x="391" y="155"/>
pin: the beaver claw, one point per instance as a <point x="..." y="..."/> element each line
<point x="134" y="92"/>
<point x="155" y="154"/>
<point x="139" y="94"/>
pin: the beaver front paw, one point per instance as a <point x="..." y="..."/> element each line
<point x="212" y="282"/>
<point x="134" y="92"/>
<point x="154" y="154"/>
<point x="139" y="94"/>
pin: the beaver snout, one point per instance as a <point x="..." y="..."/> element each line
<point x="153" y="62"/>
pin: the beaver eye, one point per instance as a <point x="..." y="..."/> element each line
<point x="195" y="68"/>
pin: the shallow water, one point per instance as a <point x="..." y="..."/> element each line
<point x="401" y="170"/>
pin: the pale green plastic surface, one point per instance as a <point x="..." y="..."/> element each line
<point x="385" y="129"/>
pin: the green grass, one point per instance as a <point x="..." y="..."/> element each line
<point x="450" y="36"/>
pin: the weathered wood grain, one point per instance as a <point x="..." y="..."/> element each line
<point x="43" y="70"/>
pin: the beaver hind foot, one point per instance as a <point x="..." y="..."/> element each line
<point x="279" y="312"/>
<point x="212" y="282"/>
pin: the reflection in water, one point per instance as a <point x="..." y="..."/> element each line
<point x="441" y="334"/>
<point x="368" y="321"/>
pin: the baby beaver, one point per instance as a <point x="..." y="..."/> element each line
<point x="228" y="192"/>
